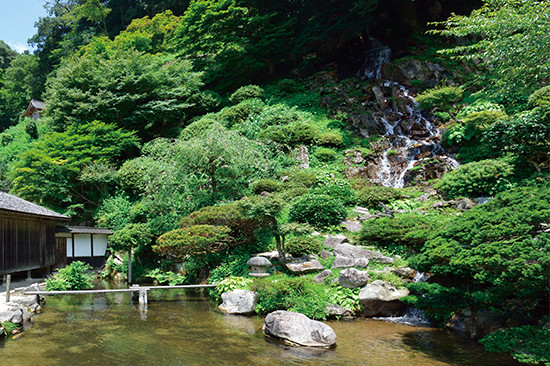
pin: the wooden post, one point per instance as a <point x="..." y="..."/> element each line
<point x="8" y="287"/>
<point x="130" y="266"/>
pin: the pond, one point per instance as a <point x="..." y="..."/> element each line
<point x="182" y="327"/>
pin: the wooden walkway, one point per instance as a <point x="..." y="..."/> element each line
<point x="142" y="291"/>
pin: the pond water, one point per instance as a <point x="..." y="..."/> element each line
<point x="182" y="327"/>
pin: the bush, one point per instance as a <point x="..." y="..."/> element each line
<point x="527" y="344"/>
<point x="324" y="154"/>
<point x="302" y="178"/>
<point x="540" y="99"/>
<point x="443" y="98"/>
<point x="246" y="92"/>
<point x="265" y="185"/>
<point x="372" y="197"/>
<point x="331" y="138"/>
<point x="342" y="192"/>
<point x="72" y="277"/>
<point x="204" y="102"/>
<point x="193" y="240"/>
<point x="135" y="236"/>
<point x="476" y="179"/>
<point x="232" y="283"/>
<point x="296" y="133"/>
<point x="240" y="112"/>
<point x="479" y="121"/>
<point x="303" y="245"/>
<point x="298" y="294"/>
<point x="317" y="209"/>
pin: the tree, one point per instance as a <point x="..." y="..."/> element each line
<point x="71" y="171"/>
<point x="139" y="92"/>
<point x="510" y="40"/>
<point x="6" y="55"/>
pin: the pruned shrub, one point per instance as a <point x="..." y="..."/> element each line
<point x="479" y="121"/>
<point x="331" y="138"/>
<point x="324" y="154"/>
<point x="300" y="246"/>
<point x="296" y="133"/>
<point x="265" y="185"/>
<point x="317" y="209"/>
<point x="476" y="179"/>
<point x="246" y="92"/>
<point x="372" y="197"/>
<point x="72" y="277"/>
<point x="443" y="98"/>
<point x="342" y="192"/>
<point x="240" y="112"/>
<point x="193" y="240"/>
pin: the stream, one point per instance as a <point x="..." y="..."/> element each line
<point x="183" y="327"/>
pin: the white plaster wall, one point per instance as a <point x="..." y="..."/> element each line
<point x="69" y="247"/>
<point x="82" y="246"/>
<point x="100" y="245"/>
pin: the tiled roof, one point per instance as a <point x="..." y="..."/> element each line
<point x="83" y="230"/>
<point x="9" y="202"/>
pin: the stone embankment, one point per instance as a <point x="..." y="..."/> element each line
<point x="20" y="309"/>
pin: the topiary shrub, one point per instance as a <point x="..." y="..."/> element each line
<point x="72" y="277"/>
<point x="527" y="344"/>
<point x="342" y="192"/>
<point x="296" y="133"/>
<point x="302" y="178"/>
<point x="246" y="92"/>
<point x="240" y="112"/>
<point x="300" y="246"/>
<point x="443" y="98"/>
<point x="476" y="179"/>
<point x="317" y="209"/>
<point x="204" y="102"/>
<point x="324" y="154"/>
<point x="331" y="138"/>
<point x="372" y="197"/>
<point x="479" y="121"/>
<point x="265" y="185"/>
<point x="540" y="99"/>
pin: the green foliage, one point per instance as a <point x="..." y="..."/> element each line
<point x="410" y="230"/>
<point x="265" y="185"/>
<point x="246" y="92"/>
<point x="302" y="178"/>
<point x="241" y="112"/>
<point x="139" y="92"/>
<point x="324" y="154"/>
<point x="477" y="179"/>
<point x="72" y="277"/>
<point x="8" y="327"/>
<point x="509" y="45"/>
<point x="345" y="297"/>
<point x="169" y="277"/>
<point x="135" y="236"/>
<point x="498" y="251"/>
<point x="233" y="264"/>
<point x="317" y="209"/>
<point x="541" y="99"/>
<point x="339" y="189"/>
<point x="330" y="138"/>
<point x="527" y="344"/>
<point x="295" y="133"/>
<point x="233" y="283"/>
<point x="193" y="240"/>
<point x="374" y="196"/>
<point x="300" y="246"/>
<point x="298" y="294"/>
<point x="443" y="98"/>
<point x="479" y="121"/>
<point x="53" y="170"/>
<point x="439" y="302"/>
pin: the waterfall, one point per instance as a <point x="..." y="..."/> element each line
<point x="373" y="62"/>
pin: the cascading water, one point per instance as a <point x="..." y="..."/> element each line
<point x="410" y="139"/>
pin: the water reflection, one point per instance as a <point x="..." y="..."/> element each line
<point x="184" y="328"/>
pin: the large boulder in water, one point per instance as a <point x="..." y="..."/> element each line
<point x="381" y="298"/>
<point x="239" y="302"/>
<point x="298" y="329"/>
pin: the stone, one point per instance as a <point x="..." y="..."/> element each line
<point x="324" y="254"/>
<point x="352" y="225"/>
<point x="258" y="266"/>
<point x="464" y="204"/>
<point x="405" y="272"/>
<point x="305" y="266"/>
<point x="302" y="156"/>
<point x="333" y="241"/>
<point x="298" y="329"/>
<point x="381" y="298"/>
<point x="343" y="262"/>
<point x="338" y="311"/>
<point x="11" y="312"/>
<point x="321" y="277"/>
<point x="353" y="278"/>
<point x="269" y="255"/>
<point x="352" y="251"/>
<point x="239" y="302"/>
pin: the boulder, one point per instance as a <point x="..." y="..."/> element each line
<point x="381" y="298"/>
<point x="239" y="302"/>
<point x="405" y="272"/>
<point x="353" y="278"/>
<point x="338" y="311"/>
<point x="11" y="312"/>
<point x="298" y="329"/>
<point x="30" y="302"/>
<point x="352" y="226"/>
<point x="324" y="254"/>
<point x="343" y="262"/>
<point x="333" y="241"/>
<point x="464" y="204"/>
<point x="321" y="277"/>
<point x="352" y="251"/>
<point x="306" y="266"/>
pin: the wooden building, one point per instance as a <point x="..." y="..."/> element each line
<point x="27" y="235"/>
<point x="83" y="243"/>
<point x="35" y="109"/>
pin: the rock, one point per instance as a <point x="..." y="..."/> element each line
<point x="269" y="255"/>
<point x="482" y="200"/>
<point x="324" y="254"/>
<point x="352" y="225"/>
<point x="353" y="278"/>
<point x="352" y="251"/>
<point x="333" y="241"/>
<point x="11" y="312"/>
<point x="321" y="277"/>
<point x="258" y="266"/>
<point x="302" y="156"/>
<point x="405" y="272"/>
<point x="30" y="302"/>
<point x="464" y="204"/>
<point x="381" y="298"/>
<point x="305" y="266"/>
<point x="407" y="71"/>
<point x="239" y="302"/>
<point x="298" y="329"/>
<point x="343" y="262"/>
<point x="338" y="311"/>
